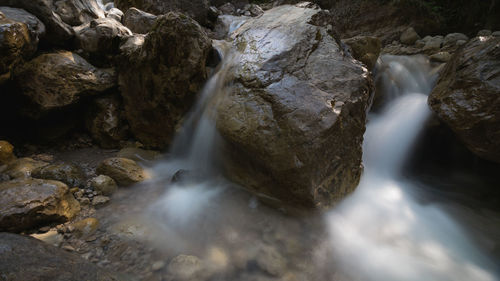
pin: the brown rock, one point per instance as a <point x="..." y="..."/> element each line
<point x="85" y="227"/>
<point x="23" y="167"/>
<point x="103" y="184"/>
<point x="161" y="77"/>
<point x="139" y="21"/>
<point x="467" y="96"/>
<point x="27" y="203"/>
<point x="123" y="171"/>
<point x="60" y="79"/>
<point x="66" y="173"/>
<point x="6" y="152"/>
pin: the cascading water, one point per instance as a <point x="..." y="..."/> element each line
<point x="381" y="232"/>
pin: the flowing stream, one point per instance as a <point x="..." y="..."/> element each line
<point x="380" y="232"/>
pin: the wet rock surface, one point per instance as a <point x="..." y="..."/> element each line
<point x="123" y="171"/>
<point x="45" y="262"/>
<point x="295" y="118"/>
<point x="168" y="70"/>
<point x="466" y="96"/>
<point x="27" y="203"/>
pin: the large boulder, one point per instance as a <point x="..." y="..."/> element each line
<point x="28" y="203"/>
<point x="160" y="78"/>
<point x="15" y="44"/>
<point x="55" y="80"/>
<point x="28" y="259"/>
<point x="198" y="9"/>
<point x="295" y="117"/>
<point x="123" y="171"/>
<point x="467" y="96"/>
<point x="100" y="38"/>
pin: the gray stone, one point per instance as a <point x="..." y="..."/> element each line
<point x="409" y="36"/>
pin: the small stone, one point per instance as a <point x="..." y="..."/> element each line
<point x="68" y="248"/>
<point x="51" y="237"/>
<point x="70" y="228"/>
<point x="484" y="32"/>
<point x="184" y="267"/>
<point x="74" y="190"/>
<point x="103" y="184"/>
<point x="100" y="200"/>
<point x="496" y="34"/>
<point x="157" y="265"/>
<point x="271" y="261"/>
<point x="86" y="227"/>
<point x="85" y="201"/>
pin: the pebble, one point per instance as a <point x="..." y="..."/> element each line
<point x="100" y="200"/>
<point x="68" y="248"/>
<point x="157" y="265"/>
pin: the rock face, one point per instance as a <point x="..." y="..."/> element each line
<point x="27" y="203"/>
<point x="123" y="171"/>
<point x="366" y="49"/>
<point x="295" y="119"/>
<point x="139" y="21"/>
<point x="55" y="80"/>
<point x="198" y="10"/>
<point x="160" y="78"/>
<point x="467" y="96"/>
<point x="28" y="259"/>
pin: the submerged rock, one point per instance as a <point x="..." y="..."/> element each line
<point x="467" y="96"/>
<point x="184" y="268"/>
<point x="28" y="259"/>
<point x="160" y="77"/>
<point x="295" y="118"/>
<point x="123" y="171"/>
<point x="55" y="80"/>
<point x="27" y="203"/>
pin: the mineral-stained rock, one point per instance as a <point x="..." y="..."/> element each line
<point x="294" y="120"/>
<point x="27" y="203"/>
<point x="139" y="21"/>
<point x="160" y="78"/>
<point x="28" y="259"/>
<point x="55" y="80"/>
<point x="467" y="96"/>
<point x="123" y="171"/>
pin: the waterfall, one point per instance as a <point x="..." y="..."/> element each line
<point x="381" y="232"/>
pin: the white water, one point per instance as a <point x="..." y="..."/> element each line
<point x="381" y="232"/>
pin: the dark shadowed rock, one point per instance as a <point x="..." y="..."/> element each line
<point x="66" y="173"/>
<point x="467" y="96"/>
<point x="106" y="122"/>
<point x="138" y="21"/>
<point x="366" y="49"/>
<point x="6" y="152"/>
<point x="55" y="80"/>
<point x="197" y="9"/>
<point x="295" y="119"/>
<point x="160" y="77"/>
<point x="28" y="259"/>
<point x="35" y="26"/>
<point x="28" y="203"/>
